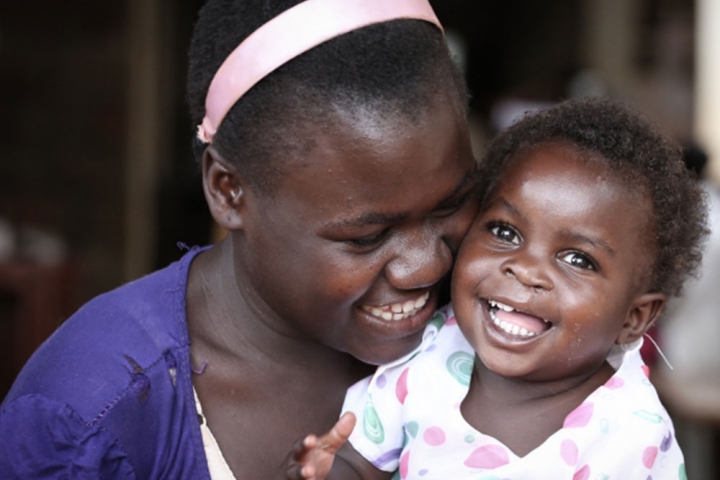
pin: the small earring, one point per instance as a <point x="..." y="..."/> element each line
<point x="236" y="193"/>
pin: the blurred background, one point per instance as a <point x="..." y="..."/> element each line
<point x="98" y="185"/>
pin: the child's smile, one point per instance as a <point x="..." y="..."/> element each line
<point x="547" y="279"/>
<point x="514" y="322"/>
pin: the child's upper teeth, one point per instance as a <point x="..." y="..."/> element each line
<point x="501" y="306"/>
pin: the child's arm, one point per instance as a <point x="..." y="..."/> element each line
<point x="331" y="456"/>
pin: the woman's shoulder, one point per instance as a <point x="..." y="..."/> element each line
<point x="150" y="308"/>
<point x="106" y="344"/>
<point x="117" y="375"/>
<point x="39" y="436"/>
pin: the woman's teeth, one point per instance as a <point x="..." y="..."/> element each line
<point x="398" y="311"/>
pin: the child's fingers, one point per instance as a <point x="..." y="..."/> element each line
<point x="309" y="442"/>
<point x="338" y="435"/>
<point x="307" y="472"/>
<point x="298" y="468"/>
<point x="313" y="456"/>
<point x="301" y="448"/>
<point x="301" y="472"/>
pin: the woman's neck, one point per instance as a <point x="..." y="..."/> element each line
<point x="226" y="317"/>
<point x="264" y="385"/>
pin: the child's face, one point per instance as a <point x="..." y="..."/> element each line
<point x="562" y="244"/>
<point x="350" y="249"/>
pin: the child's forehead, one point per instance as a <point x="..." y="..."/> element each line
<point x="563" y="182"/>
<point x="559" y="190"/>
<point x="580" y="161"/>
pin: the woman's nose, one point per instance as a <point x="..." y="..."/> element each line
<point x="421" y="261"/>
<point x="529" y="271"/>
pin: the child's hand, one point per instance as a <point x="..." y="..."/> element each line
<point x="312" y="457"/>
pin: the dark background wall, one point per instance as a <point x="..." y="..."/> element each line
<point x="71" y="103"/>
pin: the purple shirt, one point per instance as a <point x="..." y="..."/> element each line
<point x="109" y="394"/>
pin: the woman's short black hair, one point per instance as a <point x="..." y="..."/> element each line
<point x="646" y="161"/>
<point x="395" y="68"/>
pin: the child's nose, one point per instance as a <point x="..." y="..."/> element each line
<point x="421" y="261"/>
<point x="529" y="270"/>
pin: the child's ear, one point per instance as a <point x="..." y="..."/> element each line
<point x="643" y="313"/>
<point x="223" y="189"/>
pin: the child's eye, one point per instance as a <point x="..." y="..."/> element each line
<point x="579" y="260"/>
<point x="505" y="233"/>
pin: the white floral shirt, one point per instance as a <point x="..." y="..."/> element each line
<point x="409" y="420"/>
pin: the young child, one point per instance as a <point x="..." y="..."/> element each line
<point x="589" y="223"/>
<point x="334" y="149"/>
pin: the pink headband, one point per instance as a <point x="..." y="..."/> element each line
<point x="290" y="34"/>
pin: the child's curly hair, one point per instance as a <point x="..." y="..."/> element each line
<point x="633" y="147"/>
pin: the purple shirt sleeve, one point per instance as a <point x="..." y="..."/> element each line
<point x="45" y="439"/>
<point x="109" y="394"/>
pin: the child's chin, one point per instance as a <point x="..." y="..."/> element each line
<point x="501" y="363"/>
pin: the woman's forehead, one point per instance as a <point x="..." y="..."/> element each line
<point x="369" y="142"/>
<point x="356" y="163"/>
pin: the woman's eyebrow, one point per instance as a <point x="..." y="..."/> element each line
<point x="376" y="218"/>
<point x="367" y="218"/>
<point x="461" y="192"/>
<point x="470" y="177"/>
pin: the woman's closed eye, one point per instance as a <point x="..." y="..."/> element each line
<point x="449" y="208"/>
<point x="504" y="232"/>
<point x="579" y="260"/>
<point x="369" y="241"/>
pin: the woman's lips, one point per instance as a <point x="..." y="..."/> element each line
<point x="397" y="311"/>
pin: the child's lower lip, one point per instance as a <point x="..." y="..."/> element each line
<point x="505" y="335"/>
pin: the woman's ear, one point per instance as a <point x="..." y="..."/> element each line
<point x="643" y="313"/>
<point x="223" y="189"/>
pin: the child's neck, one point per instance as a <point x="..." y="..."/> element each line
<point x="521" y="414"/>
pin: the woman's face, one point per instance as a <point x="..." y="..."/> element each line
<point x="350" y="248"/>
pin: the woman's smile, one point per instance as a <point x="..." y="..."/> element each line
<point x="398" y="311"/>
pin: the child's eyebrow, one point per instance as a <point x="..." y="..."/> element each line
<point x="594" y="241"/>
<point x="500" y="202"/>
